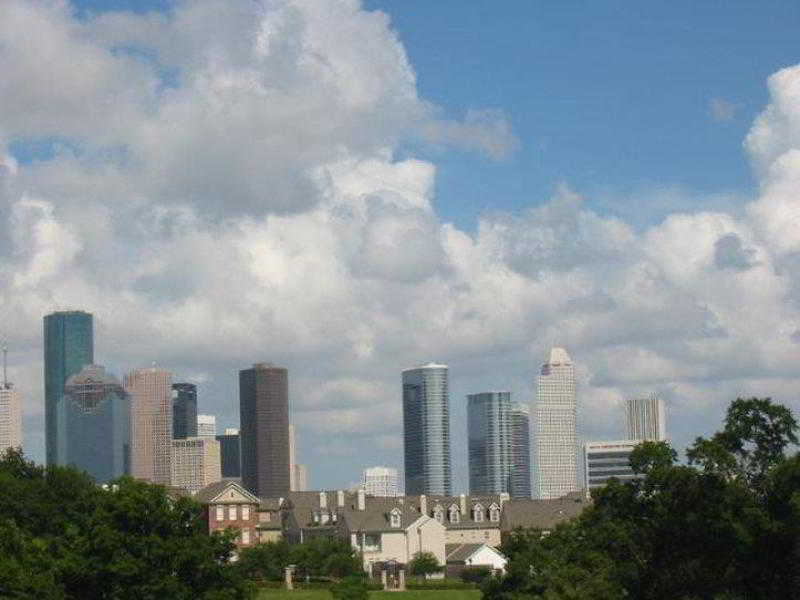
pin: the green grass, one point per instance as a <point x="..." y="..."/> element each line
<point x="272" y="594"/>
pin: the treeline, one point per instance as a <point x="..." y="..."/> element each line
<point x="725" y="526"/>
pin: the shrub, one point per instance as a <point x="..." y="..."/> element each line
<point x="350" y="588"/>
<point x="476" y="574"/>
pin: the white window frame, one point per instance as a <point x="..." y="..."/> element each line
<point x="454" y="514"/>
<point x="245" y="512"/>
<point x="394" y="518"/>
<point x="245" y="536"/>
<point x="478" y="513"/>
<point x="494" y="513"/>
<point x="231" y="512"/>
<point x="220" y="512"/>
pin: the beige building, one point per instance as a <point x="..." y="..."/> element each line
<point x="298" y="474"/>
<point x="150" y="393"/>
<point x="10" y="417"/>
<point x="195" y="463"/>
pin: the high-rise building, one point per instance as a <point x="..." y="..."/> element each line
<point x="150" y="392"/>
<point x="556" y="472"/>
<point x="94" y="422"/>
<point x="381" y="481"/>
<point x="646" y="419"/>
<point x="184" y="410"/>
<point x="10" y="413"/>
<point x="426" y="430"/>
<point x="300" y="473"/>
<point x="206" y="425"/>
<point x="68" y="347"/>
<point x="489" y="442"/>
<point x="195" y="463"/>
<point x="604" y="460"/>
<point x="520" y="451"/>
<point x="230" y="453"/>
<point x="264" y="434"/>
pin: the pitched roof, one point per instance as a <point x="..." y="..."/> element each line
<point x="465" y="521"/>
<point x="460" y="552"/>
<point x="376" y="515"/>
<point x="542" y="514"/>
<point x="213" y="490"/>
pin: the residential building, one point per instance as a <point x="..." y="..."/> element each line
<point x="150" y="392"/>
<point x="264" y="434"/>
<point x="94" y="424"/>
<point x="646" y="419"/>
<point x="606" y="460"/>
<point x="381" y="481"/>
<point x="520" y="451"/>
<point x="195" y="463"/>
<point x="426" y="430"/>
<point x="489" y="442"/>
<point x="556" y="472"/>
<point x="206" y="426"/>
<point x="230" y="453"/>
<point x="184" y="410"/>
<point x="462" y="556"/>
<point x="228" y="505"/>
<point x="68" y="347"/>
<point x="541" y="515"/>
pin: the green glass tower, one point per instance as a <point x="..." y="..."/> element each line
<point x="68" y="347"/>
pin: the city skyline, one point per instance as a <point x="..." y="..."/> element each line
<point x="489" y="442"/>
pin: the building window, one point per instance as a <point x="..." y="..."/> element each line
<point x="438" y="514"/>
<point x="371" y="543"/>
<point x="220" y="512"/>
<point x="263" y="517"/>
<point x="394" y="518"/>
<point x="494" y="513"/>
<point x="245" y="536"/>
<point x="477" y="513"/>
<point x="232" y="512"/>
<point x="455" y="515"/>
<point x="325" y="517"/>
<point x="245" y="512"/>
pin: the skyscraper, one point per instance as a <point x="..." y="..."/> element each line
<point x="646" y="419"/>
<point x="489" y="442"/>
<point x="150" y="393"/>
<point x="68" y="346"/>
<point x="184" y="410"/>
<point x="206" y="425"/>
<point x="520" y="451"/>
<point x="381" y="481"/>
<point x="94" y="422"/>
<point x="426" y="430"/>
<point x="195" y="463"/>
<point x="556" y="472"/>
<point x="10" y="413"/>
<point x="264" y="434"/>
<point x="230" y="453"/>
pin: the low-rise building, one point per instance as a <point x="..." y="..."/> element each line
<point x="603" y="461"/>
<point x="229" y="505"/>
<point x="461" y="556"/>
<point x="541" y="515"/>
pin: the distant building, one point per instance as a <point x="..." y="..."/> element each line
<point x="426" y="430"/>
<point x="381" y="481"/>
<point x="10" y="413"/>
<point x="298" y="480"/>
<point x="184" y="410"/>
<point x="556" y="472"/>
<point x="195" y="463"/>
<point x="94" y="424"/>
<point x="646" y="419"/>
<point x="206" y="426"/>
<point x="264" y="414"/>
<point x="300" y="473"/>
<point x="230" y="454"/>
<point x="150" y="392"/>
<point x="68" y="347"/>
<point x="520" y="451"/>
<point x="489" y="442"/>
<point x="604" y="460"/>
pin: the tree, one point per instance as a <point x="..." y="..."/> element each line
<point x="423" y="564"/>
<point x="350" y="588"/>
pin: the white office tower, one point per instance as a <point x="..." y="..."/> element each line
<point x="604" y="460"/>
<point x="10" y="413"/>
<point x="646" y="419"/>
<point x="206" y="426"/>
<point x="381" y="481"/>
<point x="556" y="471"/>
<point x="298" y="474"/>
<point x="195" y="463"/>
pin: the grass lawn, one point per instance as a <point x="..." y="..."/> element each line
<point x="271" y="594"/>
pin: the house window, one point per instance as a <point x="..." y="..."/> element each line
<point x="232" y="512"/>
<point x="245" y="512"/>
<point x="325" y="517"/>
<point x="245" y="536"/>
<point x="455" y="515"/>
<point x="394" y="518"/>
<point x="220" y="512"/>
<point x="438" y="514"/>
<point x="371" y="542"/>
<point x="263" y="517"/>
<point x="494" y="513"/>
<point x="477" y="513"/>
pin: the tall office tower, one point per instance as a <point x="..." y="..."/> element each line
<point x="520" y="451"/>
<point x="68" y="346"/>
<point x="94" y="422"/>
<point x="646" y="419"/>
<point x="150" y="392"/>
<point x="489" y="442"/>
<point x="381" y="481"/>
<point x="206" y="425"/>
<point x="10" y="413"/>
<point x="556" y="451"/>
<point x="264" y="435"/>
<point x="604" y="460"/>
<point x="426" y="430"/>
<point x="230" y="453"/>
<point x="195" y="463"/>
<point x="184" y="410"/>
<point x="300" y="473"/>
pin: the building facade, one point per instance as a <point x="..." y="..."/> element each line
<point x="520" y="451"/>
<point x="10" y="417"/>
<point x="604" y="460"/>
<point x="68" y="347"/>
<point x="94" y="424"/>
<point x="646" y="419"/>
<point x="426" y="430"/>
<point x="300" y="475"/>
<point x="264" y="433"/>
<point x="207" y="426"/>
<point x="230" y="454"/>
<point x="556" y="471"/>
<point x="489" y="442"/>
<point x="195" y="463"/>
<point x="184" y="410"/>
<point x="150" y="392"/>
<point x="381" y="481"/>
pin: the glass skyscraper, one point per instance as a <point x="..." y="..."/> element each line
<point x="646" y="419"/>
<point x="94" y="424"/>
<point x="556" y="472"/>
<point x="426" y="430"/>
<point x="230" y="453"/>
<point x="520" y="451"/>
<point x="489" y="442"/>
<point x="68" y="347"/>
<point x="184" y="410"/>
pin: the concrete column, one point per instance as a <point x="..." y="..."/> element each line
<point x="401" y="580"/>
<point x="384" y="580"/>
<point x="287" y="574"/>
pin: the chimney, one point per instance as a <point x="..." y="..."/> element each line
<point x="340" y="499"/>
<point x="423" y="504"/>
<point x="323" y="500"/>
<point x="463" y="501"/>
<point x="362" y="500"/>
<point x="504" y="497"/>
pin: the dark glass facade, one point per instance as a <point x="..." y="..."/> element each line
<point x="230" y="455"/>
<point x="520" y="451"/>
<point x="68" y="347"/>
<point x="264" y="430"/>
<point x="94" y="422"/>
<point x="489" y="442"/>
<point x="184" y="410"/>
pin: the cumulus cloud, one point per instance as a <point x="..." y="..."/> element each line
<point x="231" y="191"/>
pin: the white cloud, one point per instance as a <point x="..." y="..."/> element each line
<point x="722" y="110"/>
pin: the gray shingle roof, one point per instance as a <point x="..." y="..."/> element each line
<point x="212" y="490"/>
<point x="460" y="552"/>
<point x="542" y="514"/>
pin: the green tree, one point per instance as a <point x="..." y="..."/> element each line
<point x="423" y="564"/>
<point x="350" y="588"/>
